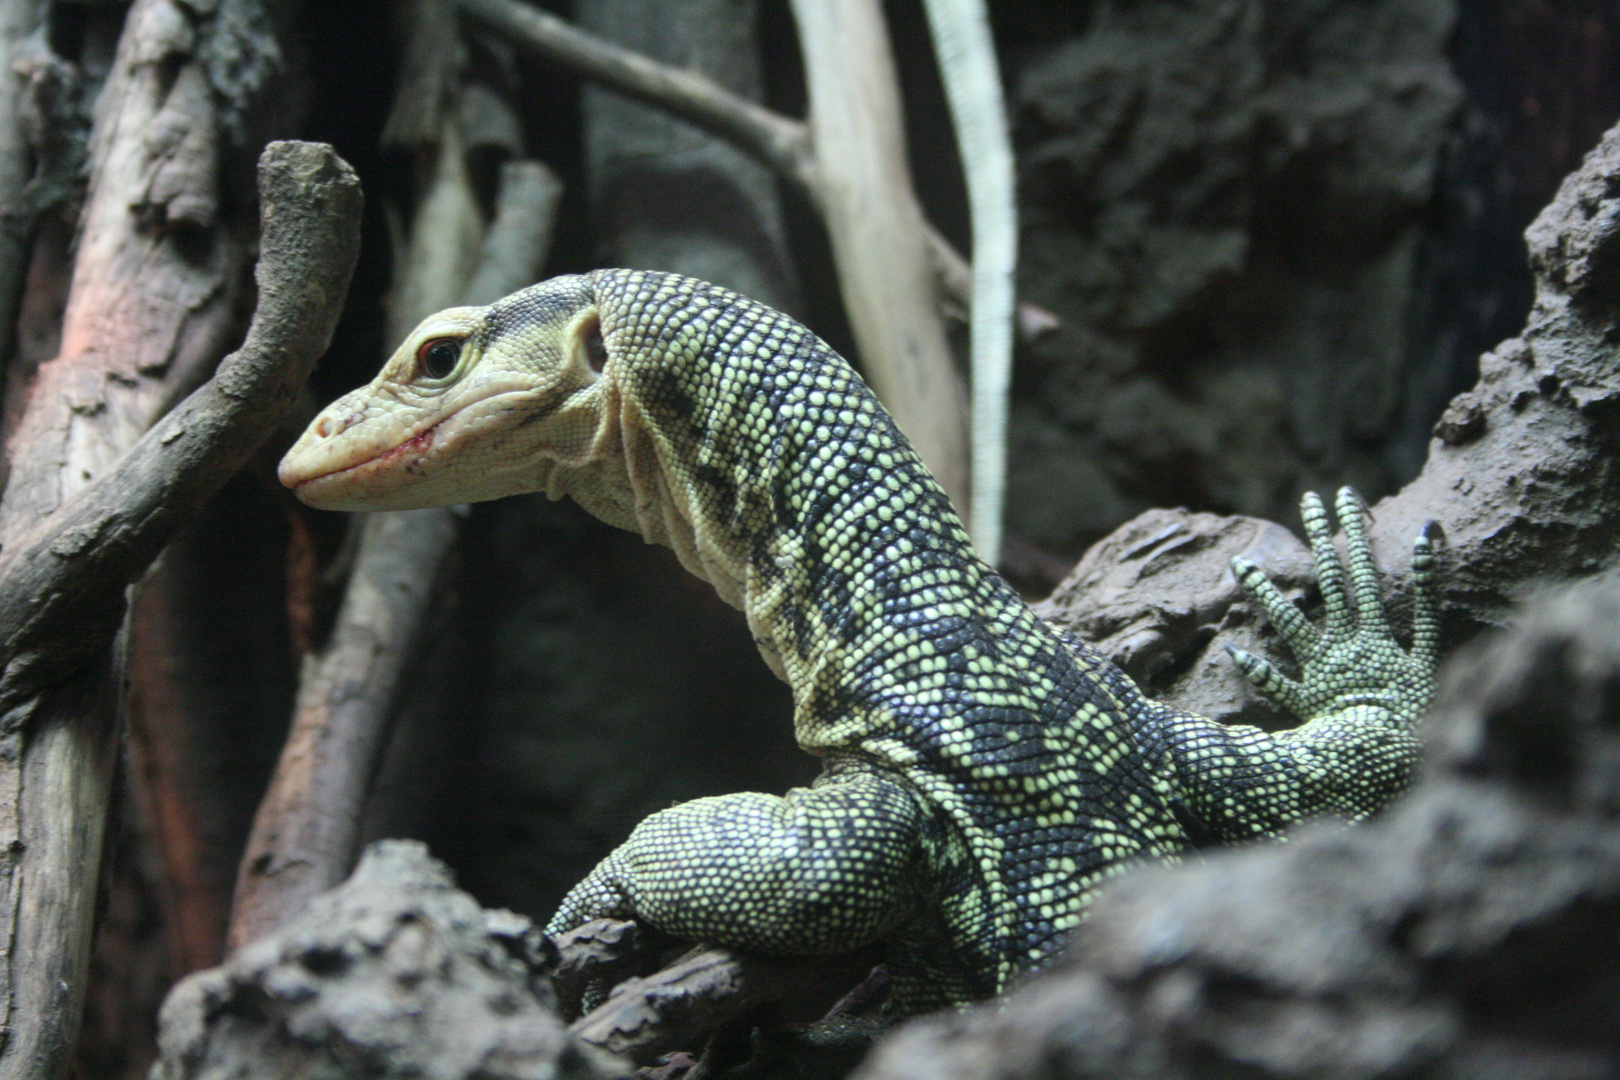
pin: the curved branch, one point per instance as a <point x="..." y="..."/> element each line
<point x="779" y="142"/>
<point x="71" y="572"/>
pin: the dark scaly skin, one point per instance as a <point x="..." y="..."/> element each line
<point x="983" y="776"/>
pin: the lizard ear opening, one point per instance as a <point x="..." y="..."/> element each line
<point x="590" y="336"/>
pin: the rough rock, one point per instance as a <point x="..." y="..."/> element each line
<point x="1468" y="933"/>
<point x="1520" y="480"/>
<point x="1224" y="200"/>
<point x="393" y="974"/>
<point x="1147" y="595"/>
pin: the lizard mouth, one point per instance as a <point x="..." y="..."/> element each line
<point x="420" y="442"/>
<point x="392" y="473"/>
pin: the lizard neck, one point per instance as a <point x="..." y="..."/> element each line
<point x="760" y="457"/>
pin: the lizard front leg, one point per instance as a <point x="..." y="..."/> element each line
<point x="823" y="869"/>
<point x="1360" y="695"/>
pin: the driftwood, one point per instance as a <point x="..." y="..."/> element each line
<point x="159" y="292"/>
<point x="779" y="141"/>
<point x="863" y="190"/>
<point x="307" y="832"/>
<point x="62" y="590"/>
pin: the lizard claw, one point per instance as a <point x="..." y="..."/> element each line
<point x="1353" y="661"/>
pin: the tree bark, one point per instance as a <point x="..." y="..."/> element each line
<point x="62" y="586"/>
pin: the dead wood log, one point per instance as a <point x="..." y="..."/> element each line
<point x="62" y="588"/>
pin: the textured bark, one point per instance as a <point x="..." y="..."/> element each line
<point x="40" y="149"/>
<point x="62" y="585"/>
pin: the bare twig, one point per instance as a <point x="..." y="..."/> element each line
<point x="781" y="143"/>
<point x="967" y="64"/>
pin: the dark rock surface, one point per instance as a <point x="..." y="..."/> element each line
<point x="393" y="974"/>
<point x="1520" y="480"/>
<point x="1224" y="201"/>
<point x="1471" y="932"/>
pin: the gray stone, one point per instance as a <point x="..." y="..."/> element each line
<point x="393" y="974"/>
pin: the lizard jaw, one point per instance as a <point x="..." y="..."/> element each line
<point x="345" y="487"/>
<point x="450" y="460"/>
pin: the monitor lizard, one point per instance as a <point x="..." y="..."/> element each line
<point x="982" y="774"/>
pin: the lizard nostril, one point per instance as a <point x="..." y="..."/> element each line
<point x="323" y="427"/>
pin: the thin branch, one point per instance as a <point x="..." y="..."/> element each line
<point x="967" y="64"/>
<point x="780" y="142"/>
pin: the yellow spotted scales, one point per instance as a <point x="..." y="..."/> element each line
<point x="983" y="774"/>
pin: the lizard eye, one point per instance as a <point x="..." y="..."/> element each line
<point x="437" y="358"/>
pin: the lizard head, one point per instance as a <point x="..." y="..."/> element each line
<point x="472" y="406"/>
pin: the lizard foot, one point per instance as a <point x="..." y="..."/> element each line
<point x="1353" y="663"/>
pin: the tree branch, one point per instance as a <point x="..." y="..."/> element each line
<point x="781" y="143"/>
<point x="70" y="573"/>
